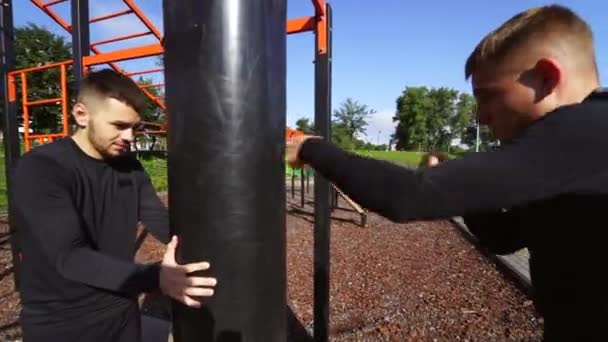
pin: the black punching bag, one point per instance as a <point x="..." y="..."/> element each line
<point x="225" y="88"/>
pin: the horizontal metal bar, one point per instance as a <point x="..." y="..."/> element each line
<point x="52" y="3"/>
<point x="151" y="132"/>
<point x="40" y="68"/>
<point x="125" y="54"/>
<point x="52" y="135"/>
<point x="140" y="14"/>
<point x="152" y="85"/>
<point x="144" y="72"/>
<point x="110" y="16"/>
<point x="298" y="25"/>
<point x="51" y="14"/>
<point x="117" y="39"/>
<point x="43" y="102"/>
<point x="151" y="123"/>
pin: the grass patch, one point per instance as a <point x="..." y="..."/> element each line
<point x="157" y="168"/>
<point x="400" y="157"/>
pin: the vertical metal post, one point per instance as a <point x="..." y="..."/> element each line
<point x="80" y="36"/>
<point x="307" y="180"/>
<point x="293" y="183"/>
<point x="10" y="124"/>
<point x="477" y="136"/>
<point x="321" y="185"/>
<point x="225" y="67"/>
<point x="302" y="187"/>
<point x="334" y="196"/>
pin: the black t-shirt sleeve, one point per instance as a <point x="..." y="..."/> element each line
<point x="42" y="201"/>
<point x="483" y="181"/>
<point x="154" y="215"/>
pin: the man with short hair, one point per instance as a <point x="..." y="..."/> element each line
<point x="77" y="202"/>
<point x="536" y="84"/>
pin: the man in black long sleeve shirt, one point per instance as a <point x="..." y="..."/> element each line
<point x="77" y="203"/>
<point x="536" y="85"/>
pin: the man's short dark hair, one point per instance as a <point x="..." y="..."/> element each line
<point x="553" y="25"/>
<point x="108" y="83"/>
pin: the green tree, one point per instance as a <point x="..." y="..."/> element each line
<point x="352" y="117"/>
<point x="340" y="136"/>
<point x="465" y="112"/>
<point x="304" y="125"/>
<point x="37" y="46"/>
<point x="412" y="108"/>
<point x="430" y="119"/>
<point x="152" y="112"/>
<point x="443" y="107"/>
<point x="486" y="138"/>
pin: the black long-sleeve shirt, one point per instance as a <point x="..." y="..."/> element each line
<point x="76" y="219"/>
<point x="554" y="180"/>
<point x="501" y="232"/>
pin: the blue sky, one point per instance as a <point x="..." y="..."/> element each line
<point x="380" y="47"/>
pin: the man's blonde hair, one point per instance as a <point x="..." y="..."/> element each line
<point x="546" y="25"/>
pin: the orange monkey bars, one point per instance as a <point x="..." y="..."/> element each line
<point x="27" y="103"/>
<point x="317" y="23"/>
<point x="130" y="9"/>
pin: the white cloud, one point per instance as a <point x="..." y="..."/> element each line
<point x="380" y="127"/>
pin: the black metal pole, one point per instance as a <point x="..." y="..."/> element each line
<point x="302" y="187"/>
<point x="293" y="183"/>
<point x="307" y="181"/>
<point x="225" y="67"/>
<point x="322" y="191"/>
<point x="80" y="36"/>
<point x="10" y="125"/>
<point x="334" y="195"/>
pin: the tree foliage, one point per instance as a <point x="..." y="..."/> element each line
<point x="37" y="46"/>
<point x="352" y="118"/>
<point x="486" y="139"/>
<point x="349" y="122"/>
<point x="152" y="112"/>
<point x="304" y="125"/>
<point x="431" y="118"/>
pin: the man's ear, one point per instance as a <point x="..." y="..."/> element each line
<point x="550" y="73"/>
<point x="81" y="115"/>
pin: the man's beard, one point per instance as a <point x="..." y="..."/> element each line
<point x="102" y="150"/>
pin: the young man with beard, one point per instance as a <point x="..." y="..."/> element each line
<point x="77" y="202"/>
<point x="536" y="84"/>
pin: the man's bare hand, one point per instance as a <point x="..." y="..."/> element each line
<point x="293" y="150"/>
<point x="176" y="282"/>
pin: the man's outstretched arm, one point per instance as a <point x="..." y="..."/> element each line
<point x="477" y="182"/>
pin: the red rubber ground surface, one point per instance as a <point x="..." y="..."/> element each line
<point x="395" y="282"/>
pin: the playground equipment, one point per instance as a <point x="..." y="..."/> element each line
<point x="240" y="227"/>
<point x="304" y="175"/>
<point x="362" y="213"/>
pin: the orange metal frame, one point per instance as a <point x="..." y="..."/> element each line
<point x="317" y="22"/>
